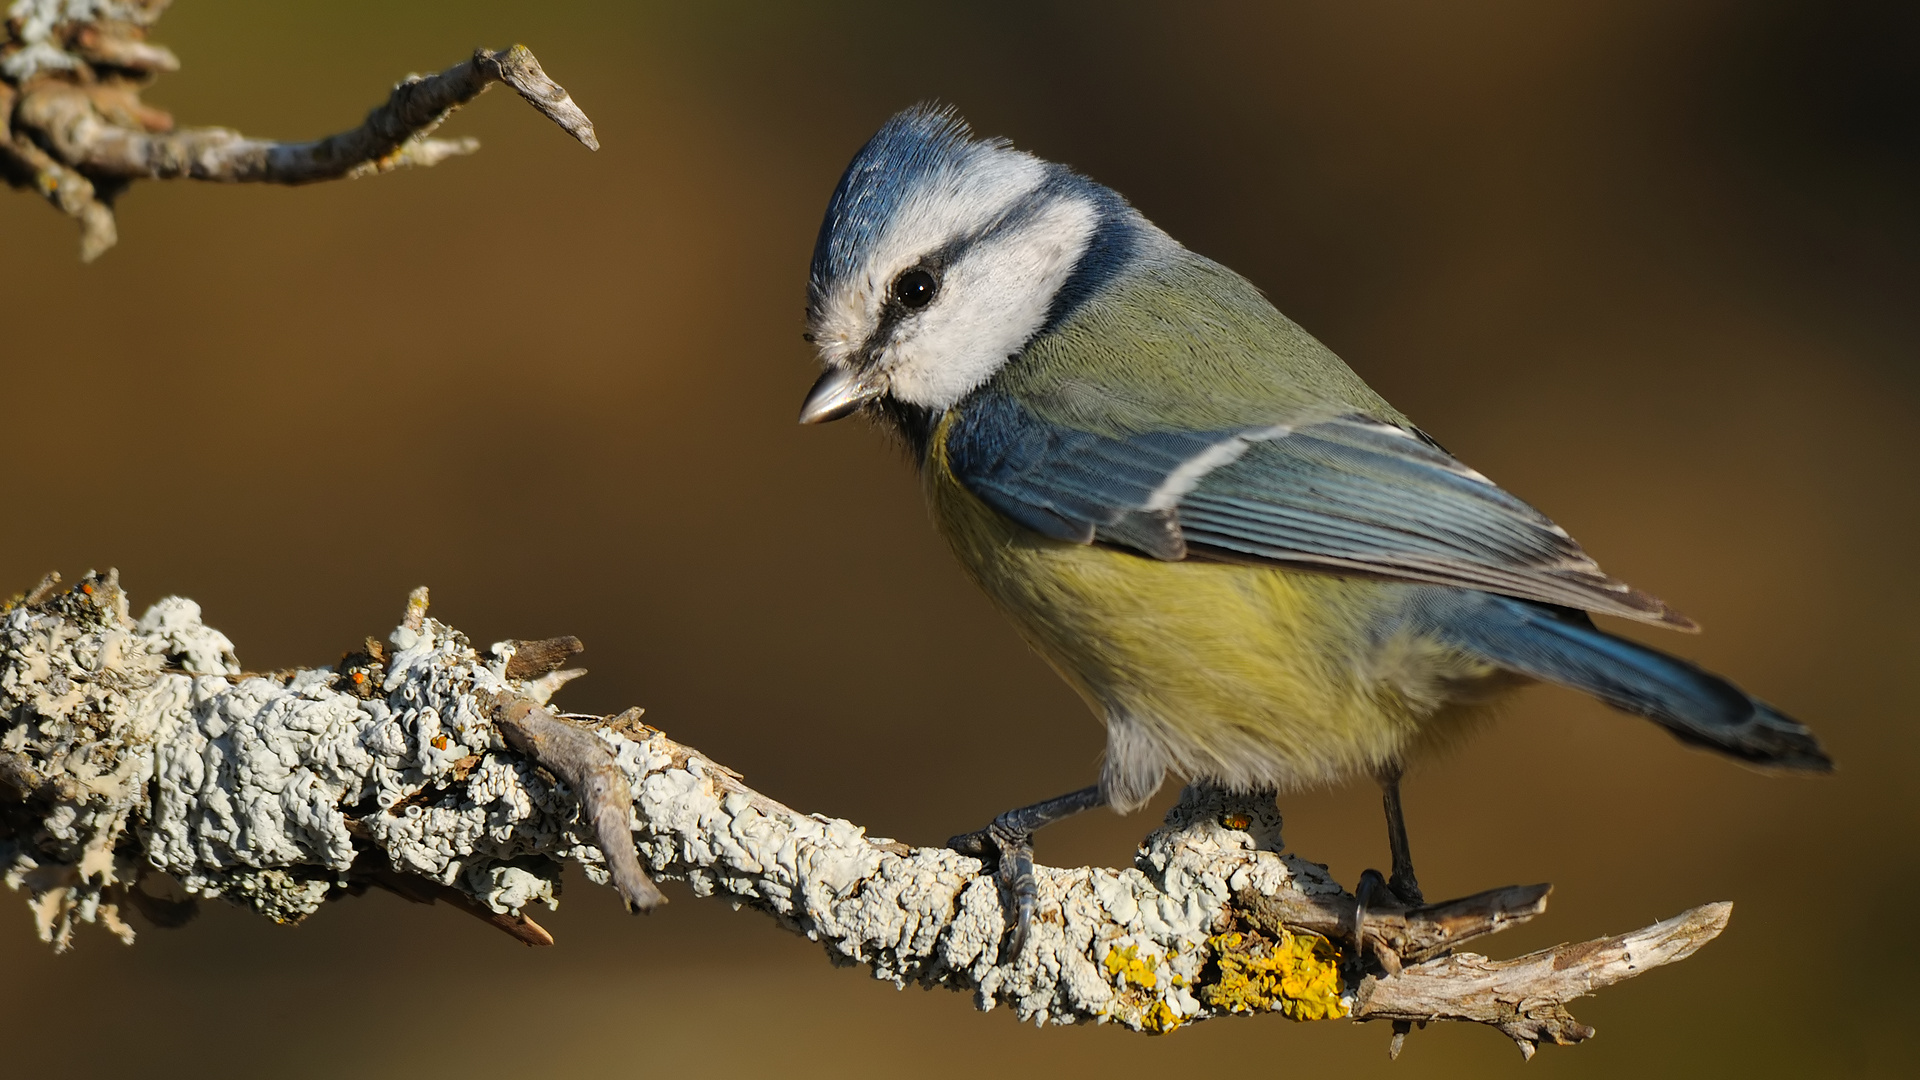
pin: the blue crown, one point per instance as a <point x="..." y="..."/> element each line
<point x="917" y="143"/>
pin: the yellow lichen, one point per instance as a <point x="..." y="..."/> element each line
<point x="1130" y="968"/>
<point x="1297" y="976"/>
<point x="1159" y="1018"/>
<point x="1137" y="978"/>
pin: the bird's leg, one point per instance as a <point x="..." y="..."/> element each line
<point x="1008" y="843"/>
<point x="1402" y="882"/>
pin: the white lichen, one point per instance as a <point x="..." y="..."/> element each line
<point x="275" y="791"/>
<point x="40" y="29"/>
<point x="253" y="788"/>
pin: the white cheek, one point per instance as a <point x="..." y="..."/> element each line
<point x="991" y="303"/>
<point x="843" y="324"/>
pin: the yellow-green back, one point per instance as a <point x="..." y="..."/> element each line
<point x="1183" y="342"/>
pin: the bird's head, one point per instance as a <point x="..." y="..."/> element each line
<point x="940" y="258"/>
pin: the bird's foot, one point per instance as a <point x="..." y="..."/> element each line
<point x="1375" y="893"/>
<point x="1008" y="845"/>
<point x="1009" y="850"/>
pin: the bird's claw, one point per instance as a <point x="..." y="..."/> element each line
<point x="978" y="843"/>
<point x="1009" y="850"/>
<point x="1374" y="891"/>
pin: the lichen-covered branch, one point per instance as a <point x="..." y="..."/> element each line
<point x="73" y="127"/>
<point x="142" y="767"/>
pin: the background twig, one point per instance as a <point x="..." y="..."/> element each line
<point x="73" y="127"/>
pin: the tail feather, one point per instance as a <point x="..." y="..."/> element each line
<point x="1563" y="646"/>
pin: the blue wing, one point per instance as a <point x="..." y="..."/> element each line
<point x="1348" y="494"/>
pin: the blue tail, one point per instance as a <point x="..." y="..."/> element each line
<point x="1560" y="645"/>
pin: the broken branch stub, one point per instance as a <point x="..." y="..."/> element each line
<point x="73" y="127"/>
<point x="586" y="764"/>
<point x="437" y="771"/>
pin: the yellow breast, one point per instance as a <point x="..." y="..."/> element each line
<point x="1246" y="675"/>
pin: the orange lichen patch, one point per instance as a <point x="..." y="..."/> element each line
<point x="1297" y="975"/>
<point x="439" y="742"/>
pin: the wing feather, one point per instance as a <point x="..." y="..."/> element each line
<point x="1346" y="494"/>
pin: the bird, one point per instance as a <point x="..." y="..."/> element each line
<point x="1256" y="572"/>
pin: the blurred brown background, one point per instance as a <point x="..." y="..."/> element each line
<point x="1651" y="265"/>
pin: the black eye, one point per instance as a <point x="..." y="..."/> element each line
<point x="914" y="289"/>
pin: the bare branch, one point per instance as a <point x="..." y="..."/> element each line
<point x="124" y="50"/>
<point x="532" y="659"/>
<point x="430" y="769"/>
<point x="517" y="68"/>
<point x="25" y="164"/>
<point x="73" y="127"/>
<point x="1525" y="997"/>
<point x="392" y="136"/>
<point x="1412" y="935"/>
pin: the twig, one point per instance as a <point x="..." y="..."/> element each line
<point x="393" y="136"/>
<point x="1525" y="998"/>
<point x="1412" y="934"/>
<point x="516" y="925"/>
<point x="73" y="127"/>
<point x="48" y="583"/>
<point x="70" y="192"/>
<point x="587" y="766"/>
<point x="533" y="659"/>
<point x="428" y="768"/>
<point x="517" y="68"/>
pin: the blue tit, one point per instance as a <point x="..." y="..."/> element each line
<point x="1255" y="571"/>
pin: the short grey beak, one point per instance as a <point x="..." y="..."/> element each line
<point x="838" y="393"/>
